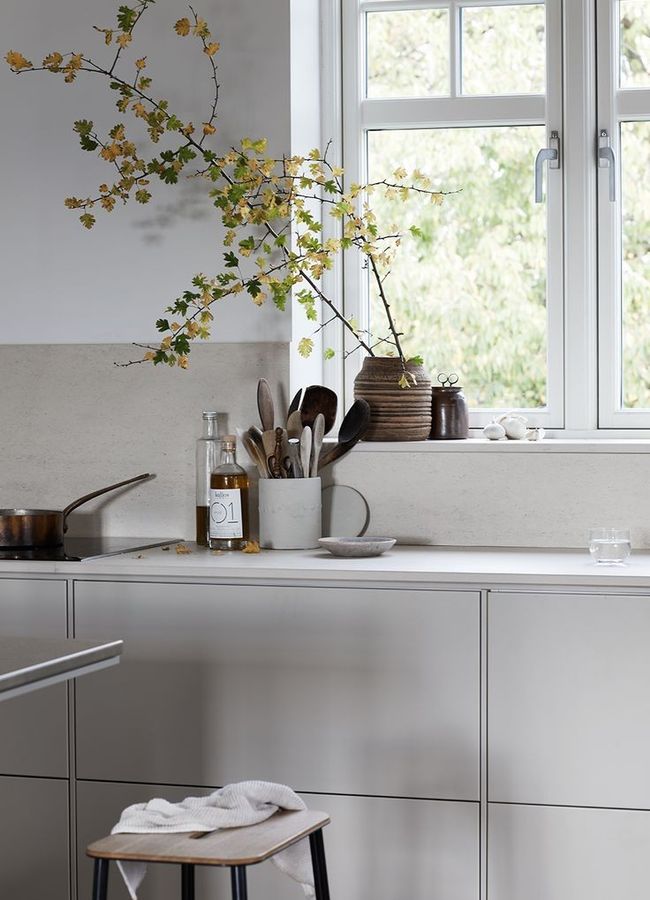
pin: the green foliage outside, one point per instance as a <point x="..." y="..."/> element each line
<point x="470" y="293"/>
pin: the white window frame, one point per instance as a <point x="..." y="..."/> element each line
<point x="615" y="105"/>
<point x="586" y="364"/>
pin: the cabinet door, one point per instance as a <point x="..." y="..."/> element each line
<point x="556" y="853"/>
<point x="376" y="848"/>
<point x="568" y="699"/>
<point x="34" y="727"/>
<point x="334" y="690"/>
<point x="34" y="854"/>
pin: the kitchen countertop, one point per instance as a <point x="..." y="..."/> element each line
<point x="401" y="565"/>
<point x="27" y="664"/>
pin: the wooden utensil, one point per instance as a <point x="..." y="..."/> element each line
<point x="305" y="450"/>
<point x="256" y="456"/>
<point x="295" y="404"/>
<point x="278" y="463"/>
<point x="319" y="399"/>
<point x="294" y="424"/>
<point x="265" y="405"/>
<point x="353" y="427"/>
<point x="317" y="443"/>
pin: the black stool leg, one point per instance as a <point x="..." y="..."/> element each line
<point x="238" y="883"/>
<point x="187" y="881"/>
<point x="100" y="879"/>
<point x="317" y="847"/>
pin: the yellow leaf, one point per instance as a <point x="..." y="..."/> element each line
<point x="182" y="27"/>
<point x="208" y="128"/>
<point x="400" y="173"/>
<point x="17" y="61"/>
<point x="52" y="61"/>
<point x="124" y="39"/>
<point x="149" y="355"/>
<point x="141" y="63"/>
<point x="305" y="346"/>
<point x="201" y="29"/>
<point x="251" y="547"/>
<point x="181" y="549"/>
<point x="211" y="49"/>
<point x="108" y="203"/>
<point x="183" y="362"/>
<point x="108" y="37"/>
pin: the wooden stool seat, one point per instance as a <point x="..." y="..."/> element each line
<point x="243" y="846"/>
<point x="236" y="848"/>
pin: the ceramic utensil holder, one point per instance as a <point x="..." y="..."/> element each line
<point x="290" y="513"/>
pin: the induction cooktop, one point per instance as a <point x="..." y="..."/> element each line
<point x="76" y="549"/>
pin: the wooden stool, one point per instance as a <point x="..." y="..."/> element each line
<point x="236" y="848"/>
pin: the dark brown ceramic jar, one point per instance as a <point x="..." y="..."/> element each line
<point x="449" y="414"/>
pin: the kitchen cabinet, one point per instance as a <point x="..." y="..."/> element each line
<point x="377" y="848"/>
<point x="34" y="727"/>
<point x="568" y="699"/>
<point x="560" y="853"/>
<point x="34" y="844"/>
<point x="343" y="690"/>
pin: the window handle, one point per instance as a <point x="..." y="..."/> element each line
<point x="607" y="160"/>
<point x="550" y="154"/>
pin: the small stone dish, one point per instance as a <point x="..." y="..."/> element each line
<point x="350" y="547"/>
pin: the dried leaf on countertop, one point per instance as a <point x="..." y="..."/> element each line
<point x="182" y="548"/>
<point x="252" y="547"/>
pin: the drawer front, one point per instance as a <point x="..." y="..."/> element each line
<point x="34" y="727"/>
<point x="332" y="690"/>
<point x="569" y="699"/>
<point x="555" y="853"/>
<point x="376" y="848"/>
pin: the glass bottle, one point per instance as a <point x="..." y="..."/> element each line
<point x="228" y="521"/>
<point x="207" y="459"/>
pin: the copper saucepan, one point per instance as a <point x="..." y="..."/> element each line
<point x="25" y="528"/>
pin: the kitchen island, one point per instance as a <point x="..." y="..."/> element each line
<point x="368" y="685"/>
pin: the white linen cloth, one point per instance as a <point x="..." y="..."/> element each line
<point x="233" y="806"/>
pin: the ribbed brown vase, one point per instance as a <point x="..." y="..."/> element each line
<point x="397" y="414"/>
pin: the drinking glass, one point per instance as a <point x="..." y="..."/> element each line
<point x="609" y="546"/>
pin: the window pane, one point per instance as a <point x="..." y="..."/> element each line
<point x="470" y="295"/>
<point x="408" y="53"/>
<point x="635" y="165"/>
<point x="635" y="43"/>
<point x="504" y="50"/>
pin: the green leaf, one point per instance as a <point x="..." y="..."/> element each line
<point x="416" y="360"/>
<point x="87" y="220"/>
<point x="142" y="196"/>
<point x="247" y="243"/>
<point x="305" y="346"/>
<point x="174" y="123"/>
<point x="231" y="260"/>
<point x="162" y="324"/>
<point x="329" y="353"/>
<point x="181" y="344"/>
<point x="126" y="18"/>
<point x="254" y="287"/>
<point x="87" y="143"/>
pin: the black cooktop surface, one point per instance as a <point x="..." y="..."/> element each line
<point x="75" y="549"/>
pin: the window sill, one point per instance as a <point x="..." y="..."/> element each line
<point x="482" y="445"/>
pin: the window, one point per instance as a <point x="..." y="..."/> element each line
<point x="540" y="303"/>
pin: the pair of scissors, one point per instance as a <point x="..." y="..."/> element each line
<point x="447" y="380"/>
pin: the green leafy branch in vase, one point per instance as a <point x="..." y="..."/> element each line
<point x="271" y="208"/>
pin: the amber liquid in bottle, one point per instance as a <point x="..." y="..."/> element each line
<point x="202" y="513"/>
<point x="228" y="515"/>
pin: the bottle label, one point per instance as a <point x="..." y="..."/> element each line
<point x="225" y="513"/>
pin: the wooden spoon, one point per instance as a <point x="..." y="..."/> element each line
<point x="295" y="404"/>
<point x="294" y="424"/>
<point x="265" y="405"/>
<point x="319" y="399"/>
<point x="317" y="443"/>
<point x="353" y="427"/>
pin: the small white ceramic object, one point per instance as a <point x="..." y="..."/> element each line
<point x="536" y="433"/>
<point x="494" y="431"/>
<point x="345" y="511"/>
<point x="516" y="426"/>
<point x="350" y="547"/>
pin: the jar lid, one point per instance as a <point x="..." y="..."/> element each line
<point x="229" y="440"/>
<point x="209" y="415"/>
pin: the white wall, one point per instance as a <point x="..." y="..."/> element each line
<point x="61" y="283"/>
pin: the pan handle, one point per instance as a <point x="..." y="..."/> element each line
<point x="105" y="490"/>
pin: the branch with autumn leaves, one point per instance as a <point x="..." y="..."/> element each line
<point x="271" y="208"/>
